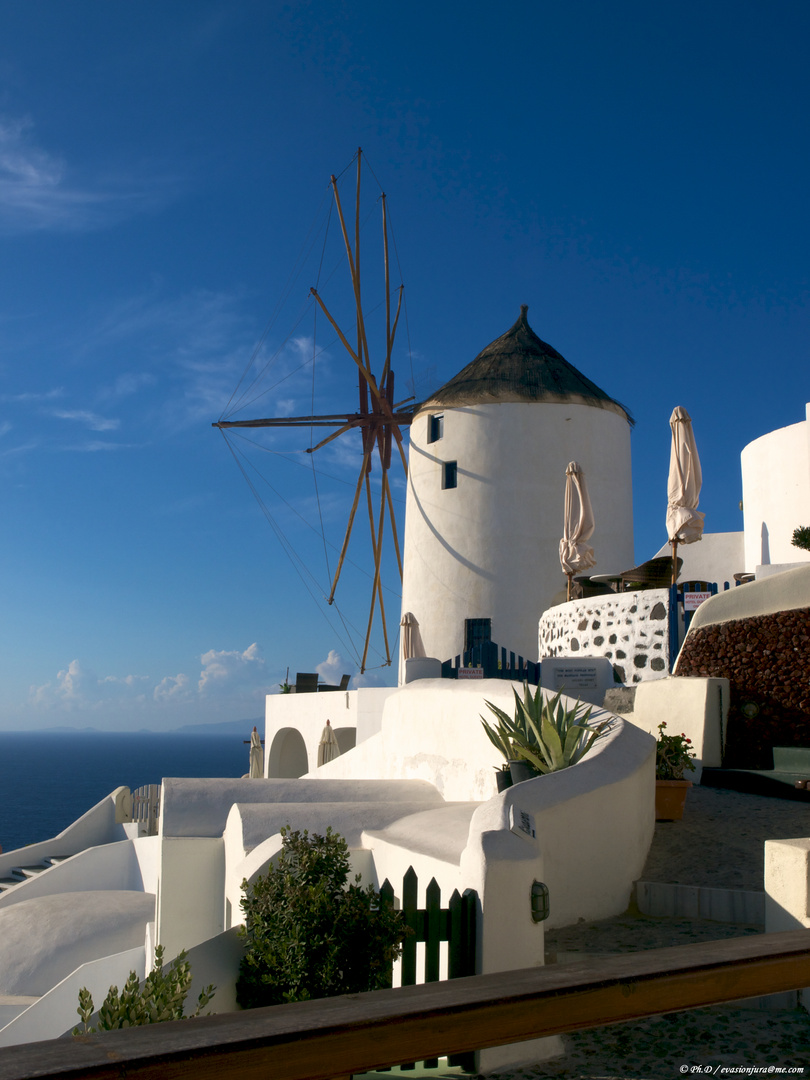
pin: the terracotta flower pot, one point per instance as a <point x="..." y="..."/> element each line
<point x="670" y="795"/>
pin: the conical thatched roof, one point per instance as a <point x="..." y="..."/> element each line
<point x="518" y="366"/>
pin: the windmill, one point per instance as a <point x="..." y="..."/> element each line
<point x="379" y="417"/>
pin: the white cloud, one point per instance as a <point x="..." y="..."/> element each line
<point x="229" y="679"/>
<point x="172" y="688"/>
<point x="333" y="667"/>
<point x="126" y="385"/>
<point x="227" y="672"/>
<point x="92" y="420"/>
<point x="47" y="395"/>
<point x="37" y="191"/>
<point x="79" y="687"/>
<point x="21" y="448"/>
<point x="94" y="446"/>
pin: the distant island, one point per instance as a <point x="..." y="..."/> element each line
<point x="222" y="727"/>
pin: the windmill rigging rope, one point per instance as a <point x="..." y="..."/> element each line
<point x="241" y="396"/>
<point x="295" y="559"/>
<point x="297" y="269"/>
<point x="292" y="509"/>
<point x="291" y="457"/>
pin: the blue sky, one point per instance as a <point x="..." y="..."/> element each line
<point x="635" y="172"/>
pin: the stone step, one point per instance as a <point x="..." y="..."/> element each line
<point x="30" y="871"/>
<point x="700" y="902"/>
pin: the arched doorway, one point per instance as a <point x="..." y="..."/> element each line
<point x="346" y="738"/>
<point x="288" y="755"/>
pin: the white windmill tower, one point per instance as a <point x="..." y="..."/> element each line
<point x="484" y="509"/>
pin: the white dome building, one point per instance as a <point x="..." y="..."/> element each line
<point x="776" y="496"/>
<point x="486" y="488"/>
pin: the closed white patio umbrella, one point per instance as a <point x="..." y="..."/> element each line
<point x="328" y="748"/>
<point x="578" y="525"/>
<point x="411" y="638"/>
<point x="256" y="755"/>
<point x="684" y="520"/>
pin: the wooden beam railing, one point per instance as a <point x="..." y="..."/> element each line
<point x="335" y="1037"/>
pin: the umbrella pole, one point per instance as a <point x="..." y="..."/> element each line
<point x="674" y="561"/>
<point x="569" y="576"/>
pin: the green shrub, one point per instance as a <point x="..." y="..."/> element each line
<point x="801" y="537"/>
<point x="162" y="997"/>
<point x="308" y="933"/>
<point x="548" y="734"/>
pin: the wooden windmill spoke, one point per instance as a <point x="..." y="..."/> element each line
<point x="364" y="371"/>
<point x="358" y="489"/>
<point x="376" y="589"/>
<point x="393" y="522"/>
<point x="335" y="434"/>
<point x="326" y="420"/>
<point x="354" y="263"/>
<point x="379" y="418"/>
<point x="392" y="335"/>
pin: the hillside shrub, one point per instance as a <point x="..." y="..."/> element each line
<point x="161" y="997"/>
<point x="310" y="934"/>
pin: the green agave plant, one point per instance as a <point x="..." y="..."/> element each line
<point x="548" y="734"/>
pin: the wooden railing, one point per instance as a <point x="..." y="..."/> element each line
<point x="335" y="1037"/>
<point x="496" y="662"/>
<point x="146" y="806"/>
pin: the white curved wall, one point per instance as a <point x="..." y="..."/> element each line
<point x="43" y="939"/>
<point x="489" y="548"/>
<point x="129" y="864"/>
<point x="776" y="494"/>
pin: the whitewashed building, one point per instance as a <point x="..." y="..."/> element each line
<point x="486" y="489"/>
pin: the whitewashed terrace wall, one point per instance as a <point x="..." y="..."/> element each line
<point x="97" y="826"/>
<point x="630" y="629"/>
<point x="54" y="1013"/>
<point x="129" y="864"/>
<point x="787" y="890"/>
<point x="294" y="724"/>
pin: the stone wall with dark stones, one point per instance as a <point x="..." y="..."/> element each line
<point x="630" y="629"/>
<point x="766" y="659"/>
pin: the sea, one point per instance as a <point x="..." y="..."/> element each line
<point x="49" y="779"/>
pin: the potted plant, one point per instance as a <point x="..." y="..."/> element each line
<point x="543" y="735"/>
<point x="503" y="776"/>
<point x="673" y="757"/>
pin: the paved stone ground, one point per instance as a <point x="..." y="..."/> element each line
<point x="720" y="841"/>
<point x="718" y="844"/>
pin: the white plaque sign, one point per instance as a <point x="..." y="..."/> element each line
<point x="693" y="600"/>
<point x="471" y="673"/>
<point x="574" y="676"/>
<point x="522" y="823"/>
<point x="583" y="677"/>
